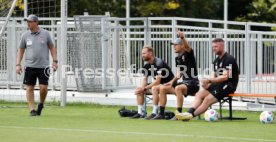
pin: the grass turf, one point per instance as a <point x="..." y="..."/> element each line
<point x="88" y="123"/>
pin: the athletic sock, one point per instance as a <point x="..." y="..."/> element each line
<point x="192" y="110"/>
<point x="162" y="110"/>
<point x="179" y="109"/>
<point x="155" y="109"/>
<point x="140" y="109"/>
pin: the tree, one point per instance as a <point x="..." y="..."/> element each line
<point x="5" y="6"/>
<point x="260" y="11"/>
<point x="96" y="7"/>
<point x="150" y="8"/>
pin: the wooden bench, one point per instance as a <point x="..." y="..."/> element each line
<point x="229" y="101"/>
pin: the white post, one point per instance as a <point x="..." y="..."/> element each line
<point x="128" y="31"/>
<point x="25" y="8"/>
<point x="116" y="52"/>
<point x="225" y="22"/>
<point x="64" y="50"/>
<point x="174" y="36"/>
<point x="210" y="26"/>
<point x="247" y="58"/>
<point x="225" y="13"/>
<point x="104" y="53"/>
<point x="127" y="8"/>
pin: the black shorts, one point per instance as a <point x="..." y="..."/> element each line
<point x="192" y="85"/>
<point x="221" y="90"/>
<point x="32" y="74"/>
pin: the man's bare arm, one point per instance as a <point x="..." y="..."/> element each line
<point x="20" y="54"/>
<point x="53" y="51"/>
<point x="220" y="78"/>
<point x="154" y="83"/>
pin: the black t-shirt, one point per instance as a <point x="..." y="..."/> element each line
<point x="159" y="67"/>
<point x="188" y="61"/>
<point x="227" y="62"/>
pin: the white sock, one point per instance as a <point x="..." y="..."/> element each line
<point x="155" y="109"/>
<point x="140" y="109"/>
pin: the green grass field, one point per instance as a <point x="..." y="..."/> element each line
<point x="88" y="123"/>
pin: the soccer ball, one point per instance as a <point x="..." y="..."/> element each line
<point x="267" y="117"/>
<point x="211" y="115"/>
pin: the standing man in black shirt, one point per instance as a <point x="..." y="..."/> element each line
<point x="187" y="69"/>
<point x="160" y="71"/>
<point x="223" y="82"/>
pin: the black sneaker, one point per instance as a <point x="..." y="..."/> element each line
<point x="39" y="109"/>
<point x="136" y="116"/>
<point x="158" y="117"/>
<point x="33" y="113"/>
<point x="150" y="116"/>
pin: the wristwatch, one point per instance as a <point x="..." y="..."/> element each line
<point x="55" y="61"/>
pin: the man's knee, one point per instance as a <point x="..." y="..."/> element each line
<point x="201" y="94"/>
<point x="139" y="87"/>
<point x="43" y="87"/>
<point x="30" y="88"/>
<point x="210" y="99"/>
<point x="139" y="94"/>
<point x="164" y="89"/>
<point x="178" y="88"/>
<point x="136" y="92"/>
<point x="155" y="88"/>
<point x="181" y="88"/>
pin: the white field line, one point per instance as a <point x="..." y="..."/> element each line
<point x="137" y="133"/>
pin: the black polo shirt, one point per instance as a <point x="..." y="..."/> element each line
<point x="227" y="62"/>
<point x="189" y="62"/>
<point x="159" y="67"/>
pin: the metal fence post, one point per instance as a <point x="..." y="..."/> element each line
<point x="13" y="51"/>
<point x="116" y="52"/>
<point x="64" y="49"/>
<point x="247" y="58"/>
<point x="147" y="24"/>
<point x="9" y="43"/>
<point x="174" y="28"/>
<point x="260" y="54"/>
<point x="210" y="26"/>
<point x="103" y="41"/>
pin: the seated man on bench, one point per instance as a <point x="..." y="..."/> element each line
<point x="186" y="68"/>
<point x="223" y="82"/>
<point x="160" y="71"/>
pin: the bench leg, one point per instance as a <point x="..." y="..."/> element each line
<point x="220" y="110"/>
<point x="230" y="108"/>
<point x="231" y="112"/>
<point x="199" y="117"/>
<point x="145" y="105"/>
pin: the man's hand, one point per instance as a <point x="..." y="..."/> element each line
<point x="18" y="69"/>
<point x="180" y="34"/>
<point x="205" y="83"/>
<point x="55" y="66"/>
<point x="139" y="90"/>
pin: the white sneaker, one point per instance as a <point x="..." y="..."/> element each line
<point x="186" y="116"/>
